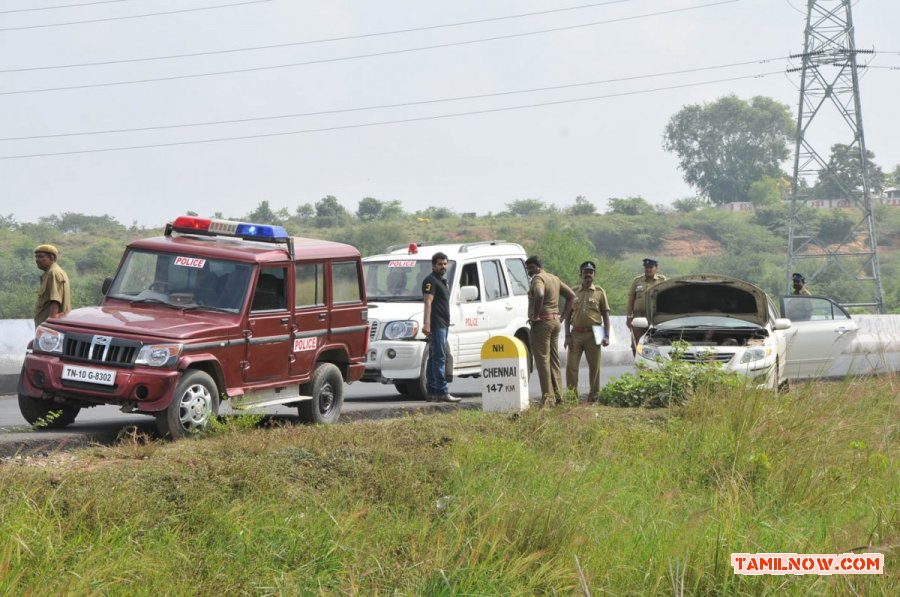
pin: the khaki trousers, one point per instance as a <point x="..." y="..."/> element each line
<point x="583" y="344"/>
<point x="545" y="349"/>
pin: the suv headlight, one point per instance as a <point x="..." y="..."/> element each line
<point x="755" y="354"/>
<point x="48" y="340"/>
<point x="401" y="330"/>
<point x="158" y="355"/>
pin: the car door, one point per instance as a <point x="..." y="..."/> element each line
<point x="269" y="341"/>
<point x="310" y="316"/>
<point x="469" y="327"/>
<point x="499" y="307"/>
<point x="820" y="331"/>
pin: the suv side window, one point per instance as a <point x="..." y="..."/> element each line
<point x="494" y="282"/>
<point x="469" y="277"/>
<point x="346" y="282"/>
<point x="309" y="285"/>
<point x="269" y="294"/>
<point x="518" y="276"/>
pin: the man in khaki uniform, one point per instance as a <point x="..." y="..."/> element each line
<point x="590" y="308"/>
<point x="544" y="317"/>
<point x="799" y="283"/>
<point x="54" y="295"/>
<point x="636" y="293"/>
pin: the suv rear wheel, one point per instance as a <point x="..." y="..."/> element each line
<point x="196" y="400"/>
<point x="327" y="390"/>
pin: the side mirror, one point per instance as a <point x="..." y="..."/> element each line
<point x="783" y="324"/>
<point x="640" y="322"/>
<point x="467" y="294"/>
<point x="106" y="284"/>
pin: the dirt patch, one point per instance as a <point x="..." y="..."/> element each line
<point x="687" y="243"/>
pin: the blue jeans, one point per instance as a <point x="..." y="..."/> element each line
<point x="435" y="382"/>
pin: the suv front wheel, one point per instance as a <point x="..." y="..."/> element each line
<point x="196" y="400"/>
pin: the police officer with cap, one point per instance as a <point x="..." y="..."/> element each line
<point x="55" y="293"/>
<point x="590" y="308"/>
<point x="636" y="293"/>
<point x="799" y="283"/>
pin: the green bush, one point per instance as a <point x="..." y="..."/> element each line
<point x="671" y="385"/>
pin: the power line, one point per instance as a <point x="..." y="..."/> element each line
<point x="80" y="4"/>
<point x="312" y="41"/>
<point x="370" y="55"/>
<point x="140" y="16"/>
<point x="395" y="105"/>
<point x="385" y="122"/>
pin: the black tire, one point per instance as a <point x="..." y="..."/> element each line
<point x="195" y="403"/>
<point x="402" y="387"/>
<point x="44" y="414"/>
<point x="327" y="390"/>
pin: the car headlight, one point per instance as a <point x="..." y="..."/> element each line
<point x="158" y="355"/>
<point x="755" y="354"/>
<point x="401" y="330"/>
<point x="48" y="340"/>
<point x="649" y="352"/>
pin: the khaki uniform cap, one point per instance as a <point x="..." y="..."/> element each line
<point x="47" y="249"/>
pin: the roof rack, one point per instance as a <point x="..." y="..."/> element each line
<point x="465" y="248"/>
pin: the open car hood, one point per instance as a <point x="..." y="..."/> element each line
<point x="706" y="294"/>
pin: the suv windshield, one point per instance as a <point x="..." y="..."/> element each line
<point x="399" y="280"/>
<point x="182" y="281"/>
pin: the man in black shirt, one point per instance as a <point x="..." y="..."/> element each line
<point x="435" y="325"/>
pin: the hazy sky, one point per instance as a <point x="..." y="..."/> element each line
<point x="608" y="146"/>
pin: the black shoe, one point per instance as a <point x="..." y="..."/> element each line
<point x="446" y="398"/>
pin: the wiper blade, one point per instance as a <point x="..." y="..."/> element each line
<point x="153" y="301"/>
<point x="209" y="308"/>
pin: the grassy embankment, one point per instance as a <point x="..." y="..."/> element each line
<point x="627" y="501"/>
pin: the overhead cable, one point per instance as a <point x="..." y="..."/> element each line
<point x="385" y="122"/>
<point x="394" y="105"/>
<point x="126" y="17"/>
<point x="312" y="41"/>
<point x="359" y="56"/>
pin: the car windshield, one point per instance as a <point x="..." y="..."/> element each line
<point x="182" y="281"/>
<point x="706" y="321"/>
<point x="398" y="280"/>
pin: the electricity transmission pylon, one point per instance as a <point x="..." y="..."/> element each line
<point x="829" y="95"/>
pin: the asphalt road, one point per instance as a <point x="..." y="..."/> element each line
<point x="104" y="424"/>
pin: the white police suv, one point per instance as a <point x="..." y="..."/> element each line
<point x="488" y="297"/>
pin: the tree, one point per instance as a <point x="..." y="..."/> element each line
<point x="768" y="191"/>
<point x="526" y="207"/>
<point x="690" y="204"/>
<point x="263" y="214"/>
<point x="582" y="207"/>
<point x="630" y="206"/>
<point x="725" y="146"/>
<point x="330" y="213"/>
<point x="305" y="211"/>
<point x="892" y="180"/>
<point x="369" y="209"/>
<point x="842" y="177"/>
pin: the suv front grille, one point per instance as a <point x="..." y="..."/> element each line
<point x="100" y="349"/>
<point x="373" y="329"/>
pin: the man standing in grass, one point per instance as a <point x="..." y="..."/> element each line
<point x="435" y="326"/>
<point x="636" y="293"/>
<point x="590" y="310"/>
<point x="544" y="317"/>
<point x="55" y="293"/>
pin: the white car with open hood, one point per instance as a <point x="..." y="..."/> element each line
<point x="735" y="323"/>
